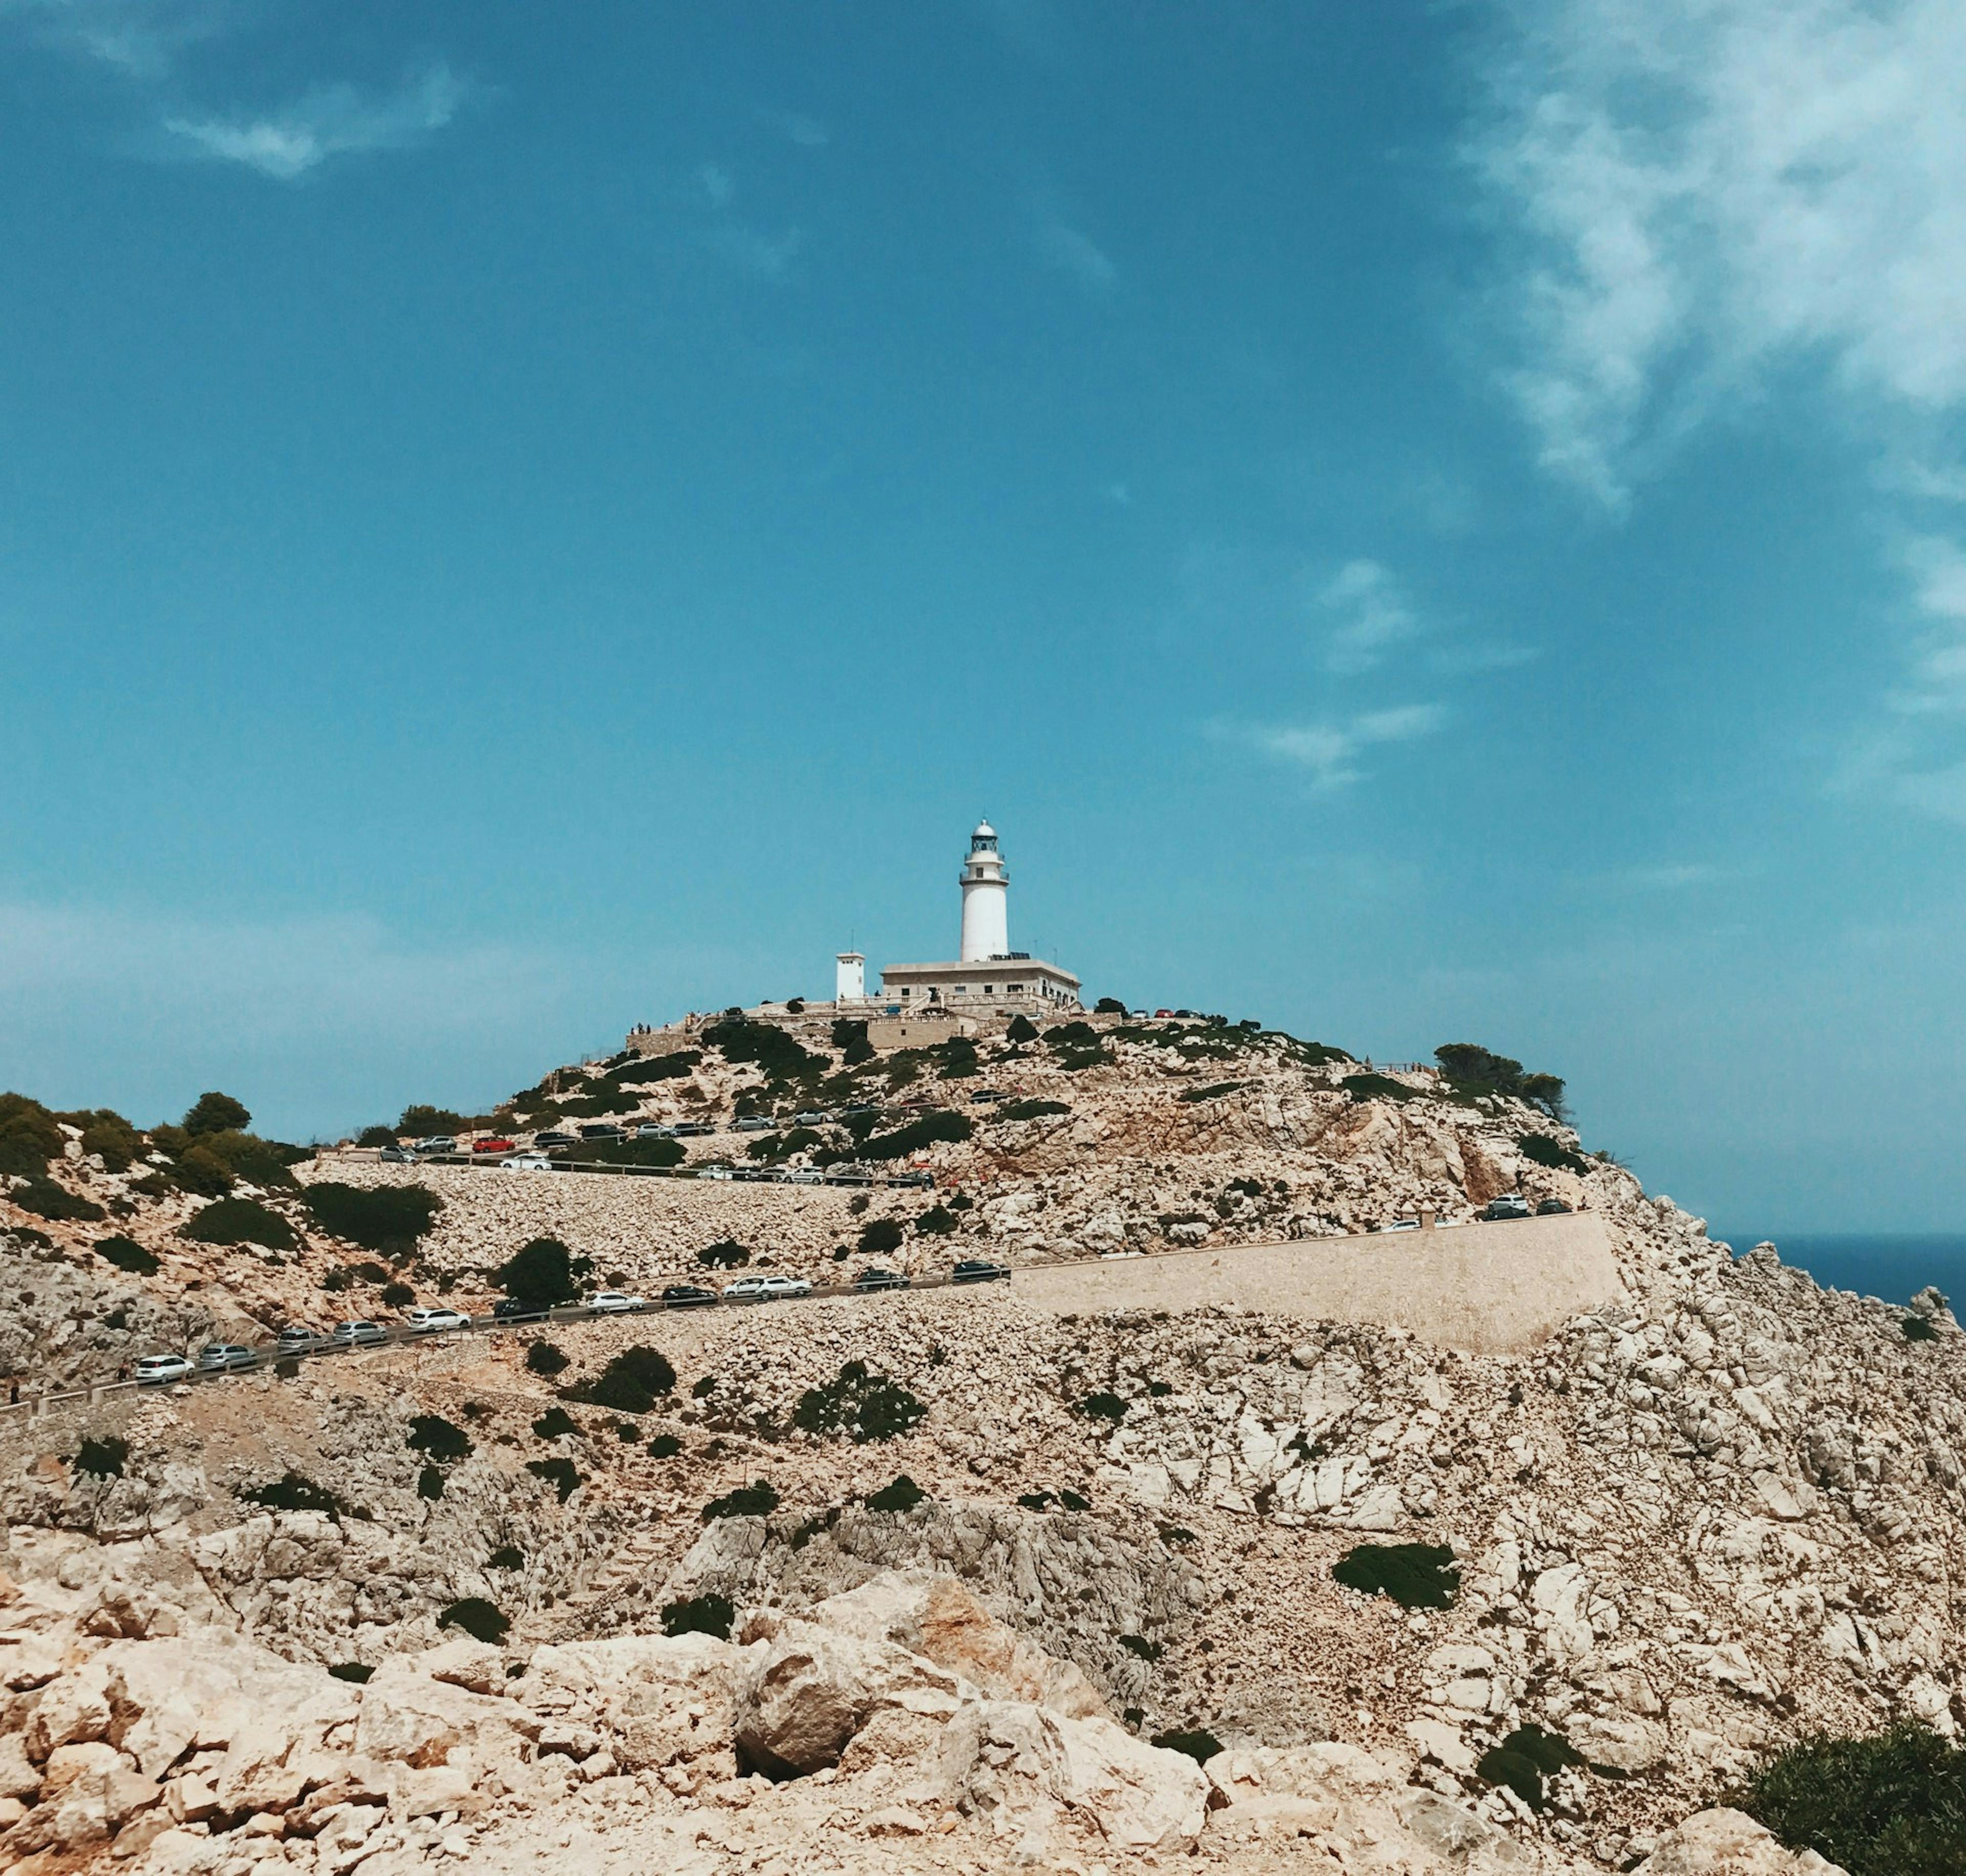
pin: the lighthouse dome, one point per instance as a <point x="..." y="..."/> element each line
<point x="983" y="839"/>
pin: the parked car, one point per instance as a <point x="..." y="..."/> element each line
<point x="756" y="1123"/>
<point x="1509" y="1205"/>
<point x="913" y="1178"/>
<point x="1550" y="1207"/>
<point x="347" y="1335"/>
<point x="509" y="1309"/>
<point x="980" y="1270"/>
<point x="602" y="1130"/>
<point x="437" y="1143"/>
<point x="296" y="1338"/>
<point x="555" y="1137"/>
<point x="875" y="1277"/>
<point x="812" y="1117"/>
<point x="655" y="1133"/>
<point x="399" y="1155"/>
<point x="430" y="1322"/>
<point x="153" y="1370"/>
<point x="687" y="1296"/>
<point x="525" y="1162"/>
<point x="1402" y="1224"/>
<point x="849" y="1178"/>
<point x="805" y="1176"/>
<point x="766" y="1289"/>
<point x="615" y="1302"/>
<point x="693" y="1129"/>
<point x="494" y="1145"/>
<point x="986" y="1093"/>
<point x="715" y="1172"/>
<point x="858" y="1106"/>
<point x="217" y="1355"/>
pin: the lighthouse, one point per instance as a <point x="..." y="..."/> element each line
<point x="986" y="899"/>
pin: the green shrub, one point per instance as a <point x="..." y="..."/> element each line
<point x="47" y="1200"/>
<point x="554" y="1423"/>
<point x="1473" y="1071"/>
<point x="292" y="1492"/>
<point x="389" y="1219"/>
<point x="357" y="1672"/>
<point x="850" y="1038"/>
<point x="1139" y="1644"/>
<point x="1215" y="1091"/>
<point x="1891" y="1804"/>
<point x="945" y="1124"/>
<point x="758" y="1499"/>
<point x="287" y="1367"/>
<point x="937" y="1222"/>
<point x="725" y="1254"/>
<point x="774" y="1049"/>
<point x="862" y="1406"/>
<point x="542" y="1358"/>
<point x="630" y="1382"/>
<point x="398" y="1295"/>
<point x="1199" y="1745"/>
<point x="483" y="1621"/>
<point x="903" y="1494"/>
<point x="194" y="1169"/>
<point x="542" y="1273"/>
<point x="1100" y="1406"/>
<point x="650" y="1069"/>
<point x="699" y="1615"/>
<point x="126" y="1254"/>
<point x="880" y="1236"/>
<point x="1073" y="1500"/>
<point x="559" y="1473"/>
<point x="420" y="1122"/>
<point x="959" y="1059"/>
<point x="239" y="1155"/>
<point x="239" y="1221"/>
<point x="595" y="1106"/>
<point x="1022" y="1029"/>
<point x="105" y="1132"/>
<point x="376" y="1137"/>
<point x="430" y="1483"/>
<point x="437" y="1439"/>
<point x="102" y="1458"/>
<point x="215" y="1112"/>
<point x="1031" y="1110"/>
<point x="1416" y="1576"/>
<point x="1917" y="1329"/>
<point x="1378" y="1087"/>
<point x="651" y="1153"/>
<point x="1109" y="1006"/>
<point x="506" y="1557"/>
<point x="1546" y="1152"/>
<point x="30" y="1137"/>
<point x="1525" y="1759"/>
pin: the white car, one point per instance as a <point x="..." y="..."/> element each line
<point x="430" y="1322"/>
<point x="766" y="1289"/>
<point x="1402" y="1224"/>
<point x="805" y="1176"/>
<point x="715" y="1172"/>
<point x="152" y="1370"/>
<point x="612" y="1302"/>
<point x="525" y="1162"/>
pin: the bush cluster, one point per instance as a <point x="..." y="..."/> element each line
<point x="239" y="1221"/>
<point x="126" y="1254"/>
<point x="389" y="1219"/>
<point x="1892" y="1804"/>
<point x="559" y="1473"/>
<point x="1416" y="1576"/>
<point x="860" y="1405"/>
<point x="482" y="1621"/>
<point x="291" y="1491"/>
<point x="102" y="1458"/>
<point x="1031" y="1110"/>
<point x="1524" y="1760"/>
<point x="630" y="1383"/>
<point x="542" y="1273"/>
<point x="758" y="1499"/>
<point x="901" y="1494"/>
<point x="1546" y="1152"/>
<point x="437" y="1438"/>
<point x="943" y="1124"/>
<point x="1473" y="1071"/>
<point x="699" y="1615"/>
<point x="1378" y="1087"/>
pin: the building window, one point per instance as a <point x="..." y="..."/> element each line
<point x="989" y="990"/>
<point x="1012" y="990"/>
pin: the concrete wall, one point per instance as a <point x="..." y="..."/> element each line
<point x="1487" y="1289"/>
<point x="901" y="1032"/>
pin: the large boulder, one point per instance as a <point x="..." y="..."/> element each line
<point x="1730" y="1843"/>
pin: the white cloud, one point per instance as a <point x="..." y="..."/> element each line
<point x="331" y="120"/>
<point x="1373" y="613"/>
<point x="1075" y="253"/>
<point x="807" y="133"/>
<point x="719" y="185"/>
<point x="1329" y="751"/>
<point x="140" y="38"/>
<point x="1707" y="189"/>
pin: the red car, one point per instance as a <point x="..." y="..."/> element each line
<point x="492" y="1146"/>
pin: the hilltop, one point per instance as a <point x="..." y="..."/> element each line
<point x="1716" y="1511"/>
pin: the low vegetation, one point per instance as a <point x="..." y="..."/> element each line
<point x="1892" y="1804"/>
<point x="542" y="1273"/>
<point x="1416" y="1576"/>
<point x="725" y="1254"/>
<point x="481" y="1620"/>
<point x="944" y="1124"/>
<point x="239" y="1221"/>
<point x="1378" y="1088"/>
<point x="102" y="1458"/>
<point x="1473" y="1073"/>
<point x="554" y="1423"/>
<point x="1031" y="1110"/>
<point x="1199" y="1745"/>
<point x="1526" y="1761"/>
<point x="901" y="1494"/>
<point x="1101" y="1406"/>
<point x="126" y="1254"/>
<point x="544" y="1357"/>
<point x="699" y="1615"/>
<point x="437" y="1439"/>
<point x="1546" y="1152"/>
<point x="859" y="1405"/>
<point x="631" y="1383"/>
<point x="292" y="1491"/>
<point x="758" y="1499"/>
<point x="559" y="1473"/>
<point x="388" y="1219"/>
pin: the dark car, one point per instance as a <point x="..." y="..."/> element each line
<point x="913" y="1178"/>
<point x="687" y="1296"/>
<point x="875" y="1277"/>
<point x="1550" y="1207"/>
<point x="556" y="1138"/>
<point x="603" y="1130"/>
<point x="986" y="1093"/>
<point x="858" y="1106"/>
<point x="978" y="1270"/>
<point x="693" y="1129"/>
<point x="1509" y="1205"/>
<point x="516" y="1308"/>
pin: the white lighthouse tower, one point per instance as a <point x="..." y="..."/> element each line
<point x="986" y="899"/>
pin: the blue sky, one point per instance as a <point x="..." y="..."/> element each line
<point x="1418" y="523"/>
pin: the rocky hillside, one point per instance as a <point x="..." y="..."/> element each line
<point x="961" y="1563"/>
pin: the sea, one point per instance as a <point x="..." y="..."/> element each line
<point x="1891" y="1266"/>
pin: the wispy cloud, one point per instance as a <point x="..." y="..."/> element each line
<point x="331" y="120"/>
<point x="1075" y="254"/>
<point x="1683" y="876"/>
<point x="808" y="133"/>
<point x="1704" y="190"/>
<point x="1373" y="613"/>
<point x="140" y="38"/>
<point x="1330" y="751"/>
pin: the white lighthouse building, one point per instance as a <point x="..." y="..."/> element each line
<point x="986" y="899"/>
<point x="987" y="976"/>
